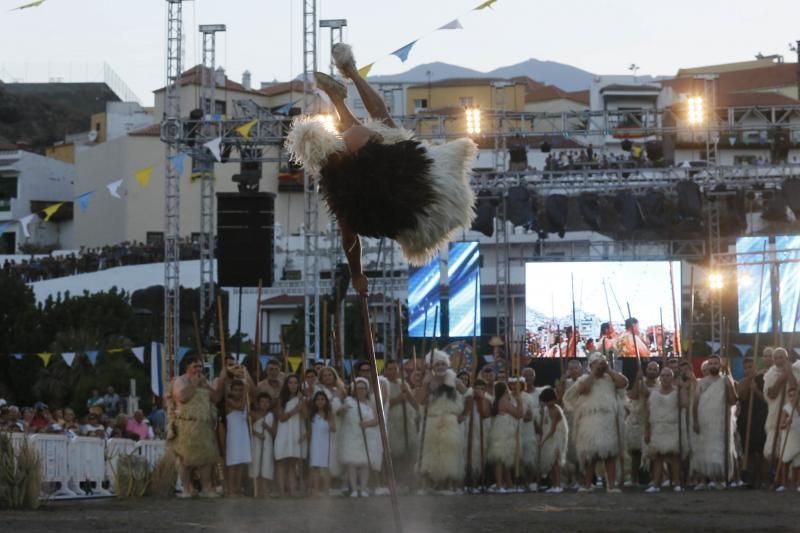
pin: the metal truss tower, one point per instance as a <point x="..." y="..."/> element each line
<point x="171" y="134"/>
<point x="311" y="195"/>
<point x="502" y="273"/>
<point x="204" y="164"/>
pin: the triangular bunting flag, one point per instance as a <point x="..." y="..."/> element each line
<point x="487" y="3"/>
<point x="68" y="357"/>
<point x="364" y="71"/>
<point x="3" y="227"/>
<point x="50" y="210"/>
<point x="143" y="176"/>
<point x="116" y="350"/>
<point x="177" y="162"/>
<point x="286" y="108"/>
<point x="452" y="25"/>
<point x="294" y="363"/>
<point x="244" y="129"/>
<point x="45" y="357"/>
<point x="240" y="357"/>
<point x="83" y="200"/>
<point x="743" y="348"/>
<point x="263" y="360"/>
<point x="403" y="52"/>
<point x="92" y="356"/>
<point x="182" y="351"/>
<point x="113" y="188"/>
<point x="156" y="370"/>
<point x="214" y="147"/>
<point x="23" y="222"/>
<point x="17" y="356"/>
<point x="138" y="353"/>
<point x="714" y="345"/>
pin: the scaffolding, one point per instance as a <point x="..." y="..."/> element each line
<point x="204" y="165"/>
<point x="172" y="134"/>
<point x="311" y="249"/>
<point x="502" y="271"/>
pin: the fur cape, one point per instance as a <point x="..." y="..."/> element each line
<point x="530" y="441"/>
<point x="554" y="449"/>
<point x="416" y="193"/>
<point x="442" y="452"/>
<point x="596" y="419"/>
<point x="664" y="424"/>
<point x="352" y="451"/>
<point x="708" y="450"/>
<point x="773" y="411"/>
<point x="395" y="423"/>
<point x="194" y="443"/>
<point x="475" y="464"/>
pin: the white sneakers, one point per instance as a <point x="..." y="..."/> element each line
<point x="533" y="487"/>
<point x="652" y="489"/>
<point x="554" y="490"/>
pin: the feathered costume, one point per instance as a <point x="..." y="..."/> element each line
<point x="442" y="456"/>
<point x="553" y="449"/>
<point x="396" y="187"/>
<point x="528" y="438"/>
<point x="596" y="418"/>
<point x="395" y="422"/>
<point x="503" y="438"/>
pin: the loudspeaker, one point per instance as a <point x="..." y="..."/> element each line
<point x="655" y="150"/>
<point x="521" y="207"/>
<point x="690" y="201"/>
<point x="791" y="190"/>
<point x="630" y="213"/>
<point x="245" y="239"/>
<point x="518" y="158"/>
<point x="484" y="213"/>
<point x="653" y="205"/>
<point x="557" y="209"/>
<point x="589" y="207"/>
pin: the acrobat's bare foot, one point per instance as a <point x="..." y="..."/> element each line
<point x="330" y="86"/>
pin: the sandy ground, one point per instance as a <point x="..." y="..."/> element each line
<point x="738" y="510"/>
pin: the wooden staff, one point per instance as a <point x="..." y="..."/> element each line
<point x="751" y="395"/>
<point x="198" y="342"/>
<point x="257" y="345"/>
<point x="663" y="348"/>
<point x="402" y="374"/>
<point x="574" y="338"/>
<point x="324" y="329"/>
<point x="691" y="316"/>
<point x="427" y="400"/>
<point x="221" y="328"/>
<point x="726" y="436"/>
<point x="675" y="324"/>
<point x="425" y="332"/>
<point x="387" y="453"/>
<point x="789" y="346"/>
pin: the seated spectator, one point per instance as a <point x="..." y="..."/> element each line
<point x="41" y="418"/>
<point x="93" y="427"/>
<point x="158" y="420"/>
<point x="27" y="420"/>
<point x="119" y="429"/>
<point x="95" y="403"/>
<point x="71" y="426"/>
<point x="139" y="426"/>
<point x="111" y="402"/>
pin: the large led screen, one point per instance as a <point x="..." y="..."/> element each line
<point x="463" y="274"/>
<point x="424" y="299"/>
<point x="602" y="292"/>
<point x="750" y="270"/>
<point x="787" y="248"/>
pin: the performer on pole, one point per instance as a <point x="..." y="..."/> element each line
<point x="378" y="180"/>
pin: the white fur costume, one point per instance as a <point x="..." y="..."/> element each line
<point x="352" y="451"/>
<point x="791" y="453"/>
<point x="774" y="408"/>
<point x="554" y="449"/>
<point x="443" y="439"/>
<point x="596" y="419"/>
<point x="530" y="441"/>
<point x="708" y="451"/>
<point x="310" y="143"/>
<point x="503" y="437"/>
<point x="398" y="435"/>
<point x="475" y="463"/>
<point x="664" y="423"/>
<point x="634" y="421"/>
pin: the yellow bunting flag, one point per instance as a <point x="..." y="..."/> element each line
<point x="49" y="211"/>
<point x="116" y="350"/>
<point x="484" y="5"/>
<point x="295" y="362"/>
<point x="244" y="129"/>
<point x="143" y="176"/>
<point x="45" y="357"/>
<point x="364" y="71"/>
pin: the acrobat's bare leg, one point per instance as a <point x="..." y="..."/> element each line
<point x="337" y="93"/>
<point x="376" y="107"/>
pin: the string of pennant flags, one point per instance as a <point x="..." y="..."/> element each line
<point x="141" y="176"/>
<point x="403" y="52"/>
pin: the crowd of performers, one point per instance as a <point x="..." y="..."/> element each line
<point x="469" y="430"/>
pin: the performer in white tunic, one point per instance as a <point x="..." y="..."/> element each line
<point x="528" y="436"/>
<point x="290" y="436"/>
<point x="634" y="421"/>
<point x="595" y="401"/>
<point x="504" y="441"/>
<point x="554" y="439"/>
<point x="572" y="468"/>
<point x="716" y="394"/>
<point x="361" y="449"/>
<point x="478" y="409"/>
<point x="777" y="380"/>
<point x="237" y="438"/>
<point x="262" y="468"/>
<point x="442" y="442"/>
<point x="790" y="442"/>
<point x="401" y="419"/>
<point x="661" y="431"/>
<point x="320" y="454"/>
<point x="335" y="390"/>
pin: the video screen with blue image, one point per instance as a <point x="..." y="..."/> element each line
<point x="464" y="276"/>
<point x="424" y="299"/>
<point x="750" y="258"/>
<point x="787" y="248"/>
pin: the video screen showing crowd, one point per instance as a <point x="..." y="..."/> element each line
<point x="459" y="427"/>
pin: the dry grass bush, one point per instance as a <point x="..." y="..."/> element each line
<point x="20" y="476"/>
<point x="165" y="476"/>
<point x="132" y="476"/>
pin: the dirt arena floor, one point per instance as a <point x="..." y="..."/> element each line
<point x="732" y="510"/>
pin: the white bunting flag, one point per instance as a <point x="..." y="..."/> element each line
<point x="138" y="352"/>
<point x="23" y="222"/>
<point x="68" y="357"/>
<point x="214" y="147"/>
<point x="113" y="188"/>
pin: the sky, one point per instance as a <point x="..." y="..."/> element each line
<point x="645" y="285"/>
<point x="72" y="38"/>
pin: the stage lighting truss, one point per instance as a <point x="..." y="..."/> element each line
<point x="696" y="110"/>
<point x="716" y="281"/>
<point x="473" y="116"/>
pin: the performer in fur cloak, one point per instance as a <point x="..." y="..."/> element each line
<point x="508" y="412"/>
<point x="595" y="402"/>
<point x="442" y="443"/>
<point x="715" y="394"/>
<point x="478" y="405"/>
<point x="661" y="431"/>
<point x="634" y="421"/>
<point x="528" y="436"/>
<point x="377" y="180"/>
<point x="401" y="419"/>
<point x="778" y="378"/>
<point x="554" y="439"/>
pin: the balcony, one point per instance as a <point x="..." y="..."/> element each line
<point x="9" y="156"/>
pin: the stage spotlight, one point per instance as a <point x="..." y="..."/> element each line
<point x="696" y="109"/>
<point x="473" y="115"/>
<point x="715" y="281"/>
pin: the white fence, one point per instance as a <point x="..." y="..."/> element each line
<point x="84" y="466"/>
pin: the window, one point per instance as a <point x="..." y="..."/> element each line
<point x="155" y="238"/>
<point x="421" y="103"/>
<point x="220" y="107"/>
<point x="8" y="192"/>
<point x="466" y="101"/>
